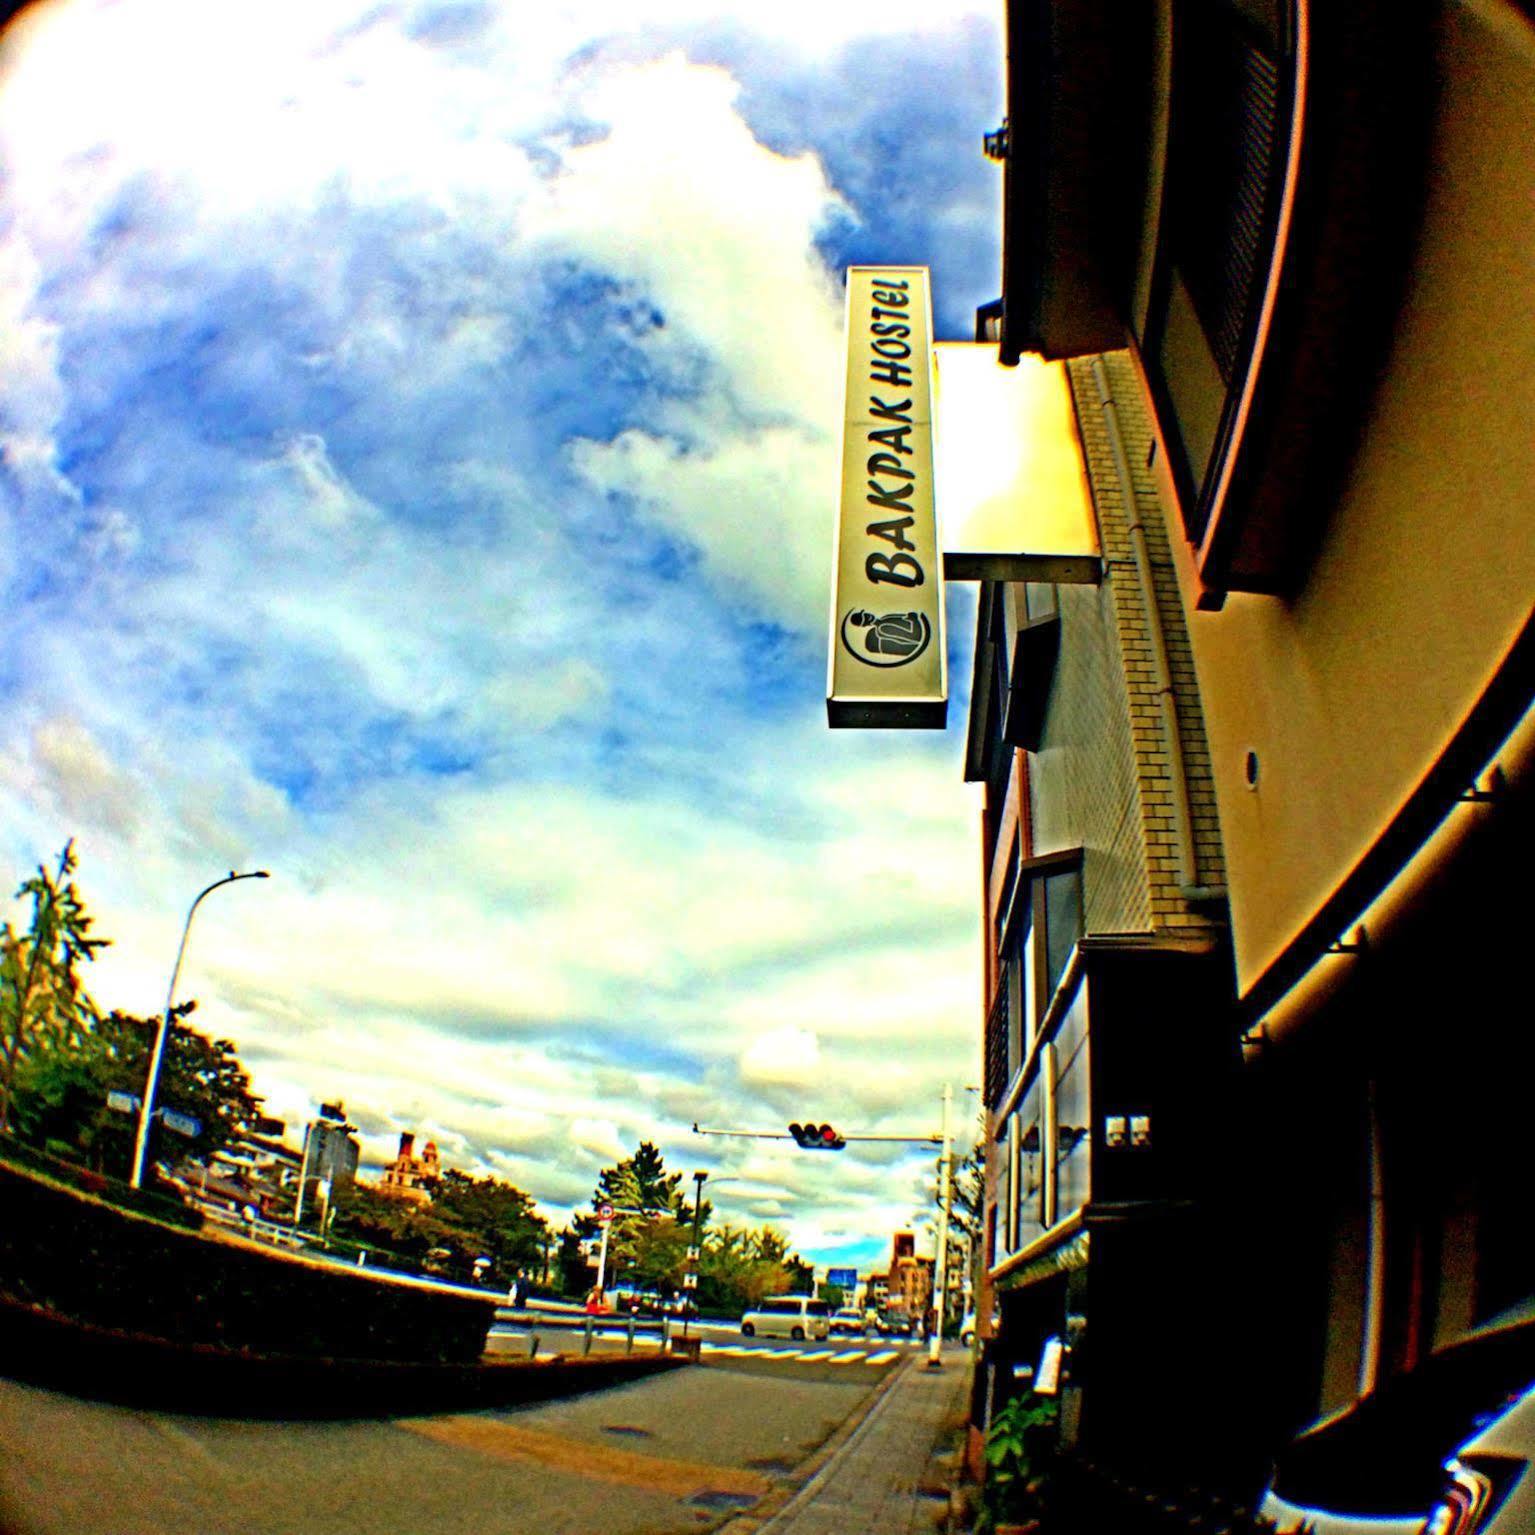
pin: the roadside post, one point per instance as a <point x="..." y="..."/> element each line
<point x="605" y="1220"/>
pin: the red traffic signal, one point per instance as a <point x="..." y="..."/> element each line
<point x="816" y="1137"/>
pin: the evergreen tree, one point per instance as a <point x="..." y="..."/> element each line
<point x="42" y="1000"/>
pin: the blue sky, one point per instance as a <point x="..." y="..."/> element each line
<point x="419" y="426"/>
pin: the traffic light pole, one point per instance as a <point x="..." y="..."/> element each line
<point x="941" y="1268"/>
<point x="783" y="1135"/>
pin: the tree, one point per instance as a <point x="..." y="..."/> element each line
<point x="497" y="1217"/>
<point x="42" y="999"/>
<point x="640" y="1182"/>
<point x="469" y="1217"/>
<point x="572" y="1266"/>
<point x="649" y="1249"/>
<point x="61" y="1089"/>
<point x="967" y="1215"/>
<point x="741" y="1266"/>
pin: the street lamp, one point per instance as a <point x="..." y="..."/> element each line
<point x="146" y="1108"/>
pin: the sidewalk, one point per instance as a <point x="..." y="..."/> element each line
<point x="873" y="1482"/>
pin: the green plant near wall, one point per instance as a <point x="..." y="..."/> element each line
<point x="1020" y="1453"/>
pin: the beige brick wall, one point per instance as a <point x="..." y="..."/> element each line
<point x="1101" y="778"/>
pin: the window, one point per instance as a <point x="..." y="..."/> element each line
<point x="1231" y="90"/>
<point x="1073" y="1111"/>
<point x="1011" y="1190"/>
<point x="997" y="1045"/>
<point x="1032" y="1167"/>
<point x="1037" y="938"/>
<point x="1062" y="901"/>
<point x="1035" y="646"/>
<point x="1009" y="891"/>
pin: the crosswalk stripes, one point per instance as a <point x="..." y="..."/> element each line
<point x="801" y="1355"/>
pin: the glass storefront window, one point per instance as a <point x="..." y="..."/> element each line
<point x="1073" y="1111"/>
<point x="1031" y="1167"/>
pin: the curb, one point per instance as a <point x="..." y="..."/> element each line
<point x="805" y="1476"/>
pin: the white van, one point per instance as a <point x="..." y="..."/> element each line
<point x="788" y="1316"/>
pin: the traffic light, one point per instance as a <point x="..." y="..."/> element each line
<point x="816" y="1137"/>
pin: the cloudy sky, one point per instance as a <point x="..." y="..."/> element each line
<point x="419" y="428"/>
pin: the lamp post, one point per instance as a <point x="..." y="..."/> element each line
<point x="152" y="1082"/>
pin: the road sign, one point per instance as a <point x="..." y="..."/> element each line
<point x="604" y="1213"/>
<point x="123" y="1103"/>
<point x="844" y="1279"/>
<point x="181" y="1124"/>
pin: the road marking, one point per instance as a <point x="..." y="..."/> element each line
<point x="816" y="1353"/>
<point x="883" y="1357"/>
<point x="848" y="1358"/>
<point x="501" y="1440"/>
<point x="728" y="1348"/>
<point x="782" y="1353"/>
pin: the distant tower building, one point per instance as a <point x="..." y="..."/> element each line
<point x="409" y="1176"/>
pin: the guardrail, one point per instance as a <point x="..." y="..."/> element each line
<point x="627" y="1327"/>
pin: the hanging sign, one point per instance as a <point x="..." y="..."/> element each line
<point x="887" y="665"/>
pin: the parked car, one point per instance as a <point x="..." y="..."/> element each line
<point x="849" y="1322"/>
<point x="788" y="1316"/>
<point x="967" y="1328"/>
<point x="1445" y="1450"/>
<point x="895" y="1324"/>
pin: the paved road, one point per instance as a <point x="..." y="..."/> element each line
<point x="670" y="1454"/>
<point x="720" y="1341"/>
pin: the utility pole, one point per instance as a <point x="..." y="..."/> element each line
<point x="695" y="1252"/>
<point x="941" y="1267"/>
<point x="303" y="1178"/>
<point x="602" y="1260"/>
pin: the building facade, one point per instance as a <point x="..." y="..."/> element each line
<point x="330" y="1148"/>
<point x="411" y="1177"/>
<point x="1107" y="1036"/>
<point x="1255" y="1078"/>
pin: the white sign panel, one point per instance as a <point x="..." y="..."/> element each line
<point x="887" y="663"/>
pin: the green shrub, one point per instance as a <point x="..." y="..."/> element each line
<point x="1020" y="1454"/>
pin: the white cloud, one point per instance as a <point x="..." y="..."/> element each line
<point x="600" y="1136"/>
<point x="586" y="920"/>
<point x="788" y="1056"/>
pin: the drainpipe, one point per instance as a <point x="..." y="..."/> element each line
<point x="1185" y="852"/>
<point x="1375" y="1273"/>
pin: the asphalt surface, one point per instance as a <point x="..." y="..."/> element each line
<point x="677" y="1452"/>
<point x="721" y="1341"/>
